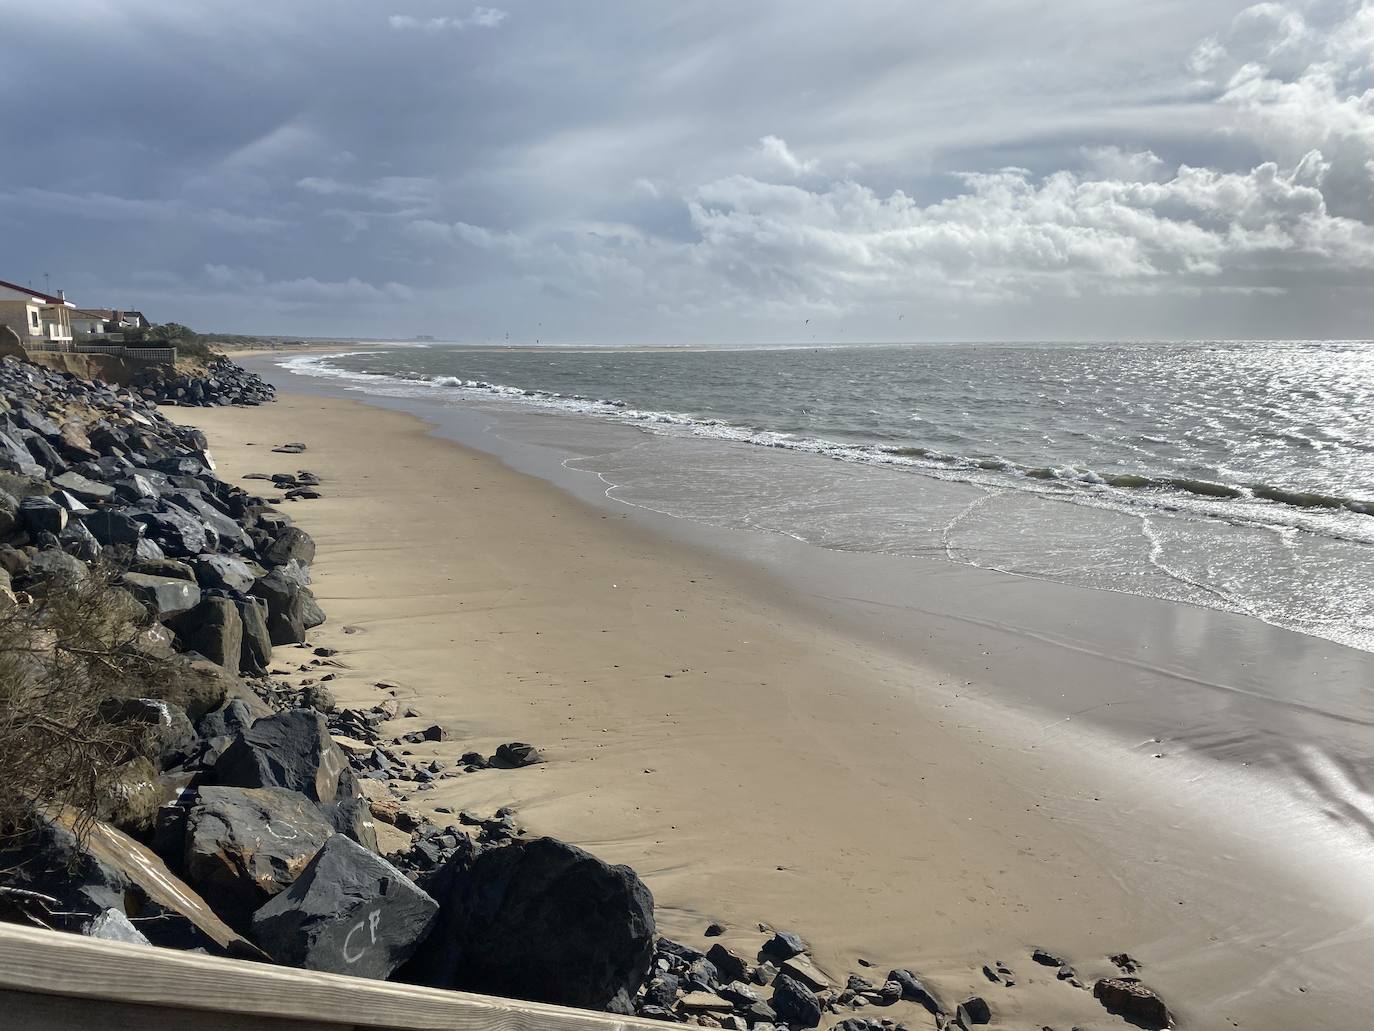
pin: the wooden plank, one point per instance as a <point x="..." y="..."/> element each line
<point x="24" y="1011"/>
<point x="42" y="962"/>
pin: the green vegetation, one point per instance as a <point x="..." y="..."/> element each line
<point x="187" y="341"/>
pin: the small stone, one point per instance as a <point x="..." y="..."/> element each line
<point x="517" y="754"/>
<point x="764" y="973"/>
<point x="714" y="930"/>
<point x="703" y="1002"/>
<point x="973" y="1011"/>
<point x="728" y="963"/>
<point x="1128" y="998"/>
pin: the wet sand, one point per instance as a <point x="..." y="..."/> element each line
<point x="757" y="760"/>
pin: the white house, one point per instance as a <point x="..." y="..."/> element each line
<point x="38" y="318"/>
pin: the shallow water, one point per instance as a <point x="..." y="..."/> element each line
<point x="1237" y="476"/>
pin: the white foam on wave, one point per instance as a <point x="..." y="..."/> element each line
<point x="1076" y="484"/>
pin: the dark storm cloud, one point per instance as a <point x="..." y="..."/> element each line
<point x="638" y="171"/>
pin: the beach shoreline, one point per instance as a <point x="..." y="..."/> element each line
<point x="751" y="759"/>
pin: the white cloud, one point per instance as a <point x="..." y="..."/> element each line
<point x="1299" y="77"/>
<point x="775" y="148"/>
<point x="306" y="290"/>
<point x="408" y="191"/>
<point x="481" y="17"/>
<point x="105" y="207"/>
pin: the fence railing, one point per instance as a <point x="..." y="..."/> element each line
<point x="50" y="981"/>
<point x="160" y="355"/>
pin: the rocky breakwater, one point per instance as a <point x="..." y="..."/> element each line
<point x="220" y="382"/>
<point x="233" y="820"/>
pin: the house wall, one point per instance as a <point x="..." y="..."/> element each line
<point x="21" y="316"/>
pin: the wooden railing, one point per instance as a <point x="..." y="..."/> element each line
<point x="50" y="981"/>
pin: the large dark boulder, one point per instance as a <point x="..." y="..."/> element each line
<point x="225" y="572"/>
<point x="291" y="750"/>
<point x="213" y="628"/>
<point x="256" y="650"/>
<point x="352" y="817"/>
<point x="110" y="526"/>
<point x="178" y="532"/>
<point x="1133" y="1002"/>
<point x="794" y="1003"/>
<point x="173" y="735"/>
<point x="85" y="489"/>
<point x="290" y="543"/>
<point x="15" y="457"/>
<point x="349" y="912"/>
<point x="163" y="596"/>
<point x="244" y="845"/>
<point x="39" y="513"/>
<point x="291" y="608"/>
<point x="545" y="921"/>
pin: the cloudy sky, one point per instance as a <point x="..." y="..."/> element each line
<point x="643" y="171"/>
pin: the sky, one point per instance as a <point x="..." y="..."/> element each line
<point x="645" y="172"/>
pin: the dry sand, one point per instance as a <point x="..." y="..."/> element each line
<point x="750" y="763"/>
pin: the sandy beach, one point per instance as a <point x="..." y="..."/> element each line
<point x="751" y="760"/>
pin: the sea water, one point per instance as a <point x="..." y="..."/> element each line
<point x="1232" y="475"/>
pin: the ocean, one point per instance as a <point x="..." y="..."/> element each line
<point x="1231" y="475"/>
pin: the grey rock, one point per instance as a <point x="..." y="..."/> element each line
<point x="731" y="965"/>
<point x="213" y="628"/>
<point x="244" y="845"/>
<point x="178" y="532"/>
<point x="291" y="750"/>
<point x="175" y="737"/>
<point x="794" y="1003"/>
<point x="15" y="457"/>
<point x="113" y="926"/>
<point x="256" y="651"/>
<point x="225" y="572"/>
<point x="517" y="754"/>
<point x="914" y="990"/>
<point x="110" y="870"/>
<point x="39" y="513"/>
<point x="350" y="912"/>
<point x="542" y="920"/>
<point x="85" y="489"/>
<point x="972" y="1012"/>
<point x="291" y="543"/>
<point x="146" y="550"/>
<point x="1133" y="1002"/>
<point x="110" y="526"/>
<point x="56" y="566"/>
<point x="319" y="697"/>
<point x="783" y="945"/>
<point x="352" y="817"/>
<point x="291" y="609"/>
<point x="9" y="513"/>
<point x="163" y="596"/>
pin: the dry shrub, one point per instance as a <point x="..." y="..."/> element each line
<point x="61" y="655"/>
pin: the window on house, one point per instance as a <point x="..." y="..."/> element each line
<point x="33" y="318"/>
